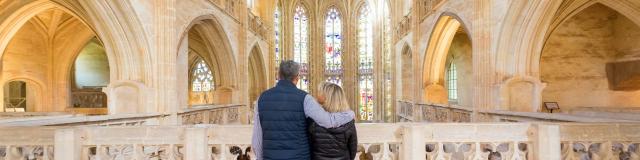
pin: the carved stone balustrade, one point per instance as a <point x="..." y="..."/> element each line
<point x="83" y="120"/>
<point x="230" y="7"/>
<point x="404" y="27"/>
<point x="600" y="141"/>
<point x="18" y="143"/>
<point x="428" y="7"/>
<point x="212" y="114"/>
<point x="405" y="111"/>
<point x="442" y="141"/>
<point x="257" y="26"/>
<point x="89" y="98"/>
<point x="421" y="112"/>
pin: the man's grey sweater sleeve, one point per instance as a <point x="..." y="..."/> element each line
<point x="256" y="139"/>
<point x="314" y="110"/>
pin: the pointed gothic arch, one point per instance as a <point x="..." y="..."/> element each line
<point x="437" y="57"/>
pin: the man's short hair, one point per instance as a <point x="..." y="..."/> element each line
<point x="289" y="70"/>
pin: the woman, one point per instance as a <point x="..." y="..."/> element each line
<point x="333" y="143"/>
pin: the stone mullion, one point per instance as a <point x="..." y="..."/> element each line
<point x="378" y="67"/>
<point x="315" y="69"/>
<point x="287" y="32"/>
<point x="350" y="61"/>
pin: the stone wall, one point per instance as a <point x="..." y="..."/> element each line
<point x="574" y="58"/>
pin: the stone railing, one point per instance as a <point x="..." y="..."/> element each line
<point x="419" y="112"/>
<point x="600" y="141"/>
<point x="428" y="7"/>
<point x="404" y="26"/>
<point x="405" y="111"/>
<point x="83" y="120"/>
<point x="257" y="26"/>
<point x="11" y="115"/>
<point x="535" y="141"/>
<point x="442" y="141"/>
<point x="443" y="113"/>
<point x="423" y="112"/>
<point x="231" y="7"/>
<point x="211" y="114"/>
<point x="18" y="143"/>
<point x="89" y="98"/>
<point x="511" y="116"/>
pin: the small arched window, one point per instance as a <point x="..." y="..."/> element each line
<point x="202" y="78"/>
<point x="452" y="82"/>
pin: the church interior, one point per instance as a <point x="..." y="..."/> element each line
<point x="427" y="79"/>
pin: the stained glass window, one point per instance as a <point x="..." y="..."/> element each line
<point x="365" y="68"/>
<point x="388" y="101"/>
<point x="277" y="24"/>
<point x="300" y="45"/>
<point x="452" y="82"/>
<point x="333" y="47"/>
<point x="202" y="80"/>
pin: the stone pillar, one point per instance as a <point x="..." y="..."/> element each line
<point x="546" y="141"/>
<point x="195" y="143"/>
<point x="412" y="142"/>
<point x="67" y="144"/>
<point x="182" y="73"/>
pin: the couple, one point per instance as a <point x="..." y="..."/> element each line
<point x="290" y="124"/>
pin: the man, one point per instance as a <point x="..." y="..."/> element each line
<point x="280" y="121"/>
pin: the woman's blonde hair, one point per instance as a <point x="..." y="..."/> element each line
<point x="335" y="99"/>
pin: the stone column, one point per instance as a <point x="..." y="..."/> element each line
<point x="546" y="141"/>
<point x="67" y="144"/>
<point x="195" y="144"/>
<point x="412" y="142"/>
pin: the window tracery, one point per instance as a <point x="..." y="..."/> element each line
<point x="333" y="47"/>
<point x="300" y="45"/>
<point x="202" y="80"/>
<point x="366" y="59"/>
<point x="277" y="27"/>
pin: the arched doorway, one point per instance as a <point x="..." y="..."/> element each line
<point x="448" y="67"/>
<point x="257" y="76"/>
<point x="590" y="61"/>
<point x="15" y="97"/>
<point x="89" y="75"/>
<point x="43" y="49"/>
<point x="206" y="67"/>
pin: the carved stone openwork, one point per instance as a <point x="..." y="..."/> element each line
<point x="442" y="113"/>
<point x="257" y="26"/>
<point x="600" y="150"/>
<point x="404" y="27"/>
<point x="131" y="151"/>
<point x="477" y="150"/>
<point x="212" y="115"/>
<point x="383" y="151"/>
<point x="231" y="152"/>
<point x="89" y="98"/>
<point x="26" y="152"/>
<point x="428" y="7"/>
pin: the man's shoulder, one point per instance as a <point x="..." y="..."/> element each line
<point x="280" y="90"/>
